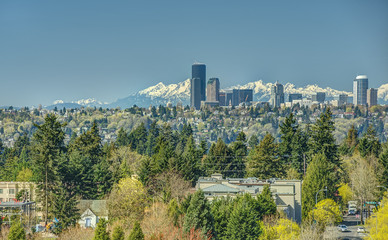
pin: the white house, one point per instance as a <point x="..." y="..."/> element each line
<point x="91" y="211"/>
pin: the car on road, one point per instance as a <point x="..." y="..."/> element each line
<point x="361" y="230"/>
<point x="343" y="228"/>
<point x="352" y="212"/>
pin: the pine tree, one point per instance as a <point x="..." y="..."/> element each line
<point x="101" y="233"/>
<point x="118" y="233"/>
<point x="136" y="233"/>
<point x="383" y="160"/>
<point x="266" y="204"/>
<point x="253" y="141"/>
<point x="198" y="215"/>
<point x="190" y="167"/>
<point x="263" y="161"/>
<point x="221" y="209"/>
<point x="48" y="145"/>
<point x="220" y="159"/>
<point x="64" y="207"/>
<point x="16" y="232"/>
<point x="322" y="139"/>
<point x="240" y="150"/>
<point x="243" y="221"/>
<point x="320" y="174"/>
<point x="369" y="144"/>
<point x="122" y="138"/>
<point x="153" y="134"/>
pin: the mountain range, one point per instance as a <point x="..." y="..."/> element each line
<point x="180" y="92"/>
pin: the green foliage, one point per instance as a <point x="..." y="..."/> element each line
<point x="320" y="174"/>
<point x="118" y="233"/>
<point x="263" y="161"/>
<point x="322" y="139"/>
<point x="48" y="146"/>
<point x="243" y="222"/>
<point x="198" y="215"/>
<point x="16" y="232"/>
<point x="101" y="233"/>
<point x="369" y="144"/>
<point x="64" y="207"/>
<point x="221" y="209"/>
<point x="220" y="159"/>
<point x="266" y="204"/>
<point x="136" y="233"/>
<point x="383" y="160"/>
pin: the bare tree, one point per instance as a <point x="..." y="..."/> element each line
<point x="363" y="181"/>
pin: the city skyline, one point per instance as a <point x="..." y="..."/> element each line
<point x="76" y="50"/>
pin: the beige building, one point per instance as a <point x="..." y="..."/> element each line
<point x="287" y="194"/>
<point x="9" y="191"/>
<point x="371" y="97"/>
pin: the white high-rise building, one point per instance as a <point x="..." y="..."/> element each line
<point x="360" y="87"/>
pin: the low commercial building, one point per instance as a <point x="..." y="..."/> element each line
<point x="287" y="194"/>
<point x="10" y="190"/>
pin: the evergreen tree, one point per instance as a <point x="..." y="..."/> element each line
<point x="65" y="207"/>
<point x="322" y="139"/>
<point x="153" y="134"/>
<point x="320" y="174"/>
<point x="239" y="150"/>
<point x="138" y="139"/>
<point x="263" y="161"/>
<point x="118" y="233"/>
<point x="221" y="209"/>
<point x="383" y="160"/>
<point x="136" y="233"/>
<point x="243" y="222"/>
<point x="220" y="159"/>
<point x="253" y="141"/>
<point x="16" y="232"/>
<point x="266" y="206"/>
<point x="48" y="145"/>
<point x="369" y="144"/>
<point x="199" y="216"/>
<point x="101" y="233"/>
<point x="122" y="138"/>
<point x="352" y="137"/>
<point x="190" y="167"/>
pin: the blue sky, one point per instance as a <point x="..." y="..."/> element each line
<point x="109" y="49"/>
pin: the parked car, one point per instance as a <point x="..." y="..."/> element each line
<point x="361" y="230"/>
<point x="342" y="228"/>
<point x="352" y="212"/>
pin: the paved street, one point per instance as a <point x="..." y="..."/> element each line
<point x="352" y="223"/>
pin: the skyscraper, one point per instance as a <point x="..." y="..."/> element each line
<point x="213" y="90"/>
<point x="360" y="86"/>
<point x="319" y="97"/>
<point x="294" y="96"/>
<point x="195" y="98"/>
<point x="277" y="95"/>
<point x="198" y="70"/>
<point x="371" y="97"/>
<point x="342" y="99"/>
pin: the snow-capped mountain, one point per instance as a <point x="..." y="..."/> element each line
<point x="382" y="93"/>
<point x="180" y="93"/>
<point x="90" y="102"/>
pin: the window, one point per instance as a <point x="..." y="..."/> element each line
<point x="11" y="191"/>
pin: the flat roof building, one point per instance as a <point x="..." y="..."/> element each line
<point x="371" y="97"/>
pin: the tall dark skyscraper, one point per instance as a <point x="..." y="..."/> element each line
<point x="277" y="95"/>
<point x="198" y="70"/>
<point x="195" y="90"/>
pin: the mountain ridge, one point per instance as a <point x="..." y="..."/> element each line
<point x="161" y="94"/>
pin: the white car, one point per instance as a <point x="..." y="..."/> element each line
<point x="361" y="230"/>
<point x="342" y="228"/>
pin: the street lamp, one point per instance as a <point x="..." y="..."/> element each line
<point x="316" y="195"/>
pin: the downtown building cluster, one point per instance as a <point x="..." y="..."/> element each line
<point x="361" y="96"/>
<point x="208" y="94"/>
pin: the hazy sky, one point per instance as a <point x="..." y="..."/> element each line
<point x="109" y="49"/>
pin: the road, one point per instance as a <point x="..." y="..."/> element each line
<point x="352" y="223"/>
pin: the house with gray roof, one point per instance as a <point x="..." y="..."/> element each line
<point x="91" y="212"/>
<point x="287" y="194"/>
